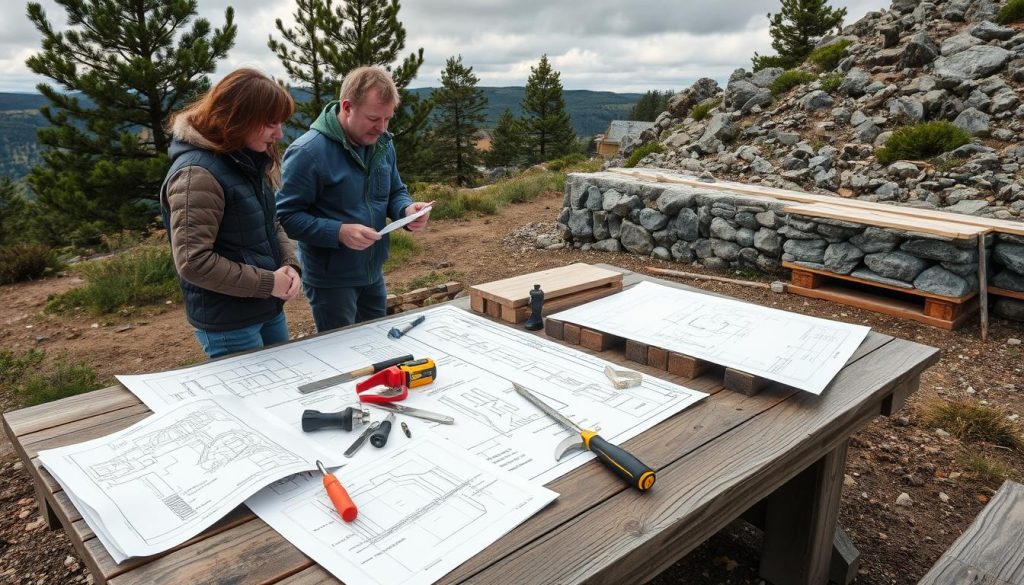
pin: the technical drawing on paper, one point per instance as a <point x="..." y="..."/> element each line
<point x="423" y="510"/>
<point x="801" y="351"/>
<point x="168" y="476"/>
<point x="477" y="361"/>
<point x="203" y="440"/>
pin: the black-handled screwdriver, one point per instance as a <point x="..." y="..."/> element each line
<point x="622" y="462"/>
<point x="379" y="438"/>
<point x="313" y="420"/>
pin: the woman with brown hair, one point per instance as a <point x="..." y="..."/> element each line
<point x="236" y="265"/>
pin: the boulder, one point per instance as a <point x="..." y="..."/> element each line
<point x="1009" y="280"/>
<point x="1010" y="256"/>
<point x="684" y="226"/>
<point x="895" y="265"/>
<point x="920" y="51"/>
<point x="973" y="122"/>
<point x="855" y="82"/>
<point x="671" y="201"/>
<point x="679" y="105"/>
<point x="635" y="238"/>
<point x="806" y="250"/>
<point x="940" y="251"/>
<point x="816" y="100"/>
<point x="971" y="63"/>
<point x="938" y="280"/>
<point x="842" y="257"/>
<point x="989" y="31"/>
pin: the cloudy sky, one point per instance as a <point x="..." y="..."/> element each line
<point x="597" y="44"/>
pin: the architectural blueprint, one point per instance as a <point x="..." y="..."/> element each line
<point x="424" y="509"/>
<point x="477" y="360"/>
<point x="797" y="350"/>
<point x="163" y="480"/>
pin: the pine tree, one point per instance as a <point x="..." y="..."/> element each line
<point x="368" y="32"/>
<point x="650" y="105"/>
<point x="302" y="53"/>
<point x="546" y="125"/>
<point x="506" y="142"/>
<point x="122" y="66"/>
<point x="797" y="27"/>
<point x="458" y="114"/>
<point x="13" y="213"/>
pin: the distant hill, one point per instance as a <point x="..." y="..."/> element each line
<point x="591" y="111"/>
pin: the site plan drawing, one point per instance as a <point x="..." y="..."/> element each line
<point x="797" y="350"/>
<point x="477" y="361"/>
<point x="424" y="509"/>
<point x="164" y="479"/>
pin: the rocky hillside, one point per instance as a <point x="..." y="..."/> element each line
<point x="939" y="60"/>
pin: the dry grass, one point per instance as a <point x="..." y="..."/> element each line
<point x="971" y="422"/>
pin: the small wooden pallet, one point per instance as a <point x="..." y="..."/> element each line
<point x="564" y="288"/>
<point x="930" y="309"/>
<point x="422" y="296"/>
<point x="656" y="357"/>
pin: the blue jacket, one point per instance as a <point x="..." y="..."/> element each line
<point x="325" y="183"/>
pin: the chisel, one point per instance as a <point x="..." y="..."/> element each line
<point x="348" y="376"/>
<point x="622" y="462"/>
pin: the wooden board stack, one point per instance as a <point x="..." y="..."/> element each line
<point x="564" y="288"/>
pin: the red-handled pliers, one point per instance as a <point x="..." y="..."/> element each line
<point x="395" y="379"/>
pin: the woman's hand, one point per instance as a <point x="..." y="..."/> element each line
<point x="286" y="283"/>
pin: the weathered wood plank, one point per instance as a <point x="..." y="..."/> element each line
<point x="598" y="340"/>
<point x="743" y="382"/>
<point x="629" y="537"/>
<point x="571" y="333"/>
<point x="36" y="418"/>
<point x="686" y="366"/>
<point x="992" y="546"/>
<point x="554" y="328"/>
<point x="250" y="553"/>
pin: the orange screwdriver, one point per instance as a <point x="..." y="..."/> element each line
<point x="344" y="504"/>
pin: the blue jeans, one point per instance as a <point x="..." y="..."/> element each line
<point x="218" y="343"/>
<point x="338" y="307"/>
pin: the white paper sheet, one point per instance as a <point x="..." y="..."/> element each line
<point x="801" y="351"/>
<point x="405" y="220"/>
<point x="424" y="509"/>
<point x="477" y="362"/>
<point x="166" y="478"/>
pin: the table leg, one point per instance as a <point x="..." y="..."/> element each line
<point x="800" y="523"/>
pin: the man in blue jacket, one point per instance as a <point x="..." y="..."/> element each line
<point x="340" y="183"/>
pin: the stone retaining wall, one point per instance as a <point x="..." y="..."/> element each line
<point x="721" y="230"/>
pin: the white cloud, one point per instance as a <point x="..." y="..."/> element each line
<point x="598" y="44"/>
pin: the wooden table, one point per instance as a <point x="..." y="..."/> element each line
<point x="776" y="458"/>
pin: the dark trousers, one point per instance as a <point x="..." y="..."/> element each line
<point x="338" y="307"/>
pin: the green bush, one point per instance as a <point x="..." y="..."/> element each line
<point x="14" y="366"/>
<point x="561" y="163"/>
<point x="34" y="382"/>
<point x="64" y="378"/>
<point x="788" y="80"/>
<point x="642" y="151"/>
<point x="1013" y="11"/>
<point x="20" y="262"/>
<point x="921" y="141"/>
<point x="701" y="110"/>
<point x="831" y="82"/>
<point x="828" y="57"/>
<point x="141" y="277"/>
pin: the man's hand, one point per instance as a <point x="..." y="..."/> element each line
<point x="421" y="221"/>
<point x="357" y="236"/>
<point x="286" y="283"/>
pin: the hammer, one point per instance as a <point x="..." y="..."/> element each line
<point x="395" y="332"/>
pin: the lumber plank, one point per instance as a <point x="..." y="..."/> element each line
<point x="885" y="218"/>
<point x="992" y="546"/>
<point x="686" y="366"/>
<point x="998" y="225"/>
<point x="37" y="418"/>
<point x="554" y="328"/>
<point x="743" y="382"/>
<point x="555" y="282"/>
<point x="571" y="333"/>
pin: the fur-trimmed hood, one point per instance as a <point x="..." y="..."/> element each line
<point x="183" y="130"/>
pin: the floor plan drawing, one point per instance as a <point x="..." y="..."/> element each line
<point x="423" y="510"/>
<point x="477" y="361"/>
<point x="169" y="476"/>
<point x="797" y="350"/>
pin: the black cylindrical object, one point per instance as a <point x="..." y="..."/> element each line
<point x="536" y="320"/>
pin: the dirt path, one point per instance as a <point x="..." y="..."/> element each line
<point x="887" y="458"/>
